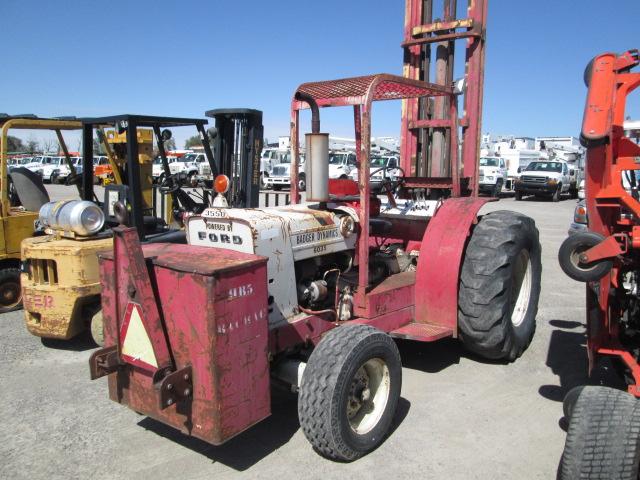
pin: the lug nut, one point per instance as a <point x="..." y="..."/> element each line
<point x="170" y="401"/>
<point x="186" y="377"/>
<point x="187" y="392"/>
<point x="169" y="386"/>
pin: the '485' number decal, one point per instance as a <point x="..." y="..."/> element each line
<point x="241" y="291"/>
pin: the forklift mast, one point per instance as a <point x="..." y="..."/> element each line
<point x="432" y="29"/>
<point x="238" y="139"/>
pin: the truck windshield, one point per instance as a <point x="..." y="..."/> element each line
<point x="378" y="161"/>
<point x="189" y="157"/>
<point x="337" y="159"/>
<point x="488" y="162"/>
<point x="544" y="167"/>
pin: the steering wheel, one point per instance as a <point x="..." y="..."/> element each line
<point x="389" y="185"/>
<point x="169" y="184"/>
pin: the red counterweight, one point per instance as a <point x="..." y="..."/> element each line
<point x="211" y="321"/>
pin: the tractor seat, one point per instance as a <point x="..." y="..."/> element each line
<point x="169" y="236"/>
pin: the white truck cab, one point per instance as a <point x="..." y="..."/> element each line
<point x="550" y="178"/>
<point x="493" y="175"/>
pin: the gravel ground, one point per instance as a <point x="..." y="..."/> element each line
<point x="459" y="417"/>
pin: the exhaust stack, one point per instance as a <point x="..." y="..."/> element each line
<point x="317" y="163"/>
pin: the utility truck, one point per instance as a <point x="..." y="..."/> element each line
<point x="550" y="178"/>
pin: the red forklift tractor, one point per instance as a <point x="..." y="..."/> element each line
<point x="313" y="294"/>
<point x="603" y="439"/>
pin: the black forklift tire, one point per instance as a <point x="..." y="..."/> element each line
<point x="500" y="286"/>
<point x="495" y="192"/>
<point x="349" y="391"/>
<point x="518" y="196"/>
<point x="97" y="328"/>
<point x="569" y="253"/>
<point x="557" y="194"/>
<point x="603" y="440"/>
<point x="10" y="291"/>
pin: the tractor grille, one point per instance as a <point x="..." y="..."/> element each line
<point x="528" y="179"/>
<point x="279" y="171"/>
<point x="43" y="272"/>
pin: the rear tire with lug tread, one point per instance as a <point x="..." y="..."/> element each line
<point x="10" y="290"/>
<point x="500" y="286"/>
<point x="603" y="440"/>
<point x="349" y="391"/>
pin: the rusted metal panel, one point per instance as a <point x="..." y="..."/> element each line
<point x="213" y="311"/>
<point x="394" y="293"/>
<point x="440" y="261"/>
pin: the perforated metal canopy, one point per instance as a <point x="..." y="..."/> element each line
<point x="362" y="90"/>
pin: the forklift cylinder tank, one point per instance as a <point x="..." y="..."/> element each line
<point x="317" y="169"/>
<point x="82" y="217"/>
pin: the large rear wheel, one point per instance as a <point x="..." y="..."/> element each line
<point x="603" y="440"/>
<point x="500" y="286"/>
<point x="349" y="391"/>
<point x="10" y="291"/>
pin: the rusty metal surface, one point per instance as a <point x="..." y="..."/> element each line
<point x="394" y="293"/>
<point x="422" y="332"/>
<point x="214" y="323"/>
<point x="103" y="362"/>
<point x="440" y="261"/>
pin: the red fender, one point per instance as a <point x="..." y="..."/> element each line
<point x="441" y="255"/>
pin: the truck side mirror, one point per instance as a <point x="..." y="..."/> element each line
<point x="572" y="172"/>
<point x="519" y="169"/>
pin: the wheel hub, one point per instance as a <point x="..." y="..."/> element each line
<point x="368" y="395"/>
<point x="9" y="294"/>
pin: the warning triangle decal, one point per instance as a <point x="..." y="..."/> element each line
<point x="136" y="347"/>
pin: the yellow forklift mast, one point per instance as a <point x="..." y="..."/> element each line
<point x="21" y="195"/>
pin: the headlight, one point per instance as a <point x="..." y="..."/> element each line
<point x="552" y="181"/>
<point x="580" y="214"/>
<point x="79" y="216"/>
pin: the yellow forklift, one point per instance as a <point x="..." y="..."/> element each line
<point x="21" y="196"/>
<point x="60" y="280"/>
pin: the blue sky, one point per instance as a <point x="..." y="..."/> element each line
<point x="79" y="57"/>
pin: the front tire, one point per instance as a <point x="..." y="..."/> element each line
<point x="302" y="182"/>
<point x="500" y="286"/>
<point x="10" y="291"/>
<point x="518" y="196"/>
<point x="557" y="194"/>
<point x="603" y="440"/>
<point x="569" y="257"/>
<point x="497" y="189"/>
<point x="349" y="391"/>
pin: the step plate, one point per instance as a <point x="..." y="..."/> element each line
<point x="422" y="332"/>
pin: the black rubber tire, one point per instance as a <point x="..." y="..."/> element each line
<point x="10" y="291"/>
<point x="568" y="254"/>
<point x="325" y="385"/>
<point x="488" y="288"/>
<point x="518" y="196"/>
<point x="495" y="192"/>
<point x="603" y="440"/>
<point x="302" y="182"/>
<point x="557" y="194"/>
<point x="54" y="179"/>
<point x="569" y="402"/>
<point x="263" y="181"/>
<point x="573" y="192"/>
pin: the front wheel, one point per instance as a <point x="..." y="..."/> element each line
<point x="497" y="189"/>
<point x="570" y="253"/>
<point x="603" y="440"/>
<point x="557" y="194"/>
<point x="518" y="196"/>
<point x="349" y="391"/>
<point x="10" y="291"/>
<point x="302" y="183"/>
<point x="500" y="286"/>
<point x="263" y="181"/>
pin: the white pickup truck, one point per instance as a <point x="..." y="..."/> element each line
<point x="493" y="175"/>
<point x="550" y="178"/>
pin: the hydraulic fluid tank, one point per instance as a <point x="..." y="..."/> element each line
<point x="79" y="216"/>
<point x="317" y="167"/>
